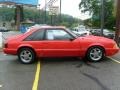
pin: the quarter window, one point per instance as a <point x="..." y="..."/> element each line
<point x="36" y="36"/>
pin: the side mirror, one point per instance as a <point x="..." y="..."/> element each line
<point x="71" y="39"/>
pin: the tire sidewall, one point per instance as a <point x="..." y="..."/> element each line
<point x="28" y="49"/>
<point x="88" y="54"/>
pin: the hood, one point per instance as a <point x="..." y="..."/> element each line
<point x="96" y="38"/>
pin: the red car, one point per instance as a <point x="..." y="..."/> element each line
<point x="56" y="41"/>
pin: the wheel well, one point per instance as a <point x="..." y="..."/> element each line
<point x="97" y="46"/>
<point x="26" y="47"/>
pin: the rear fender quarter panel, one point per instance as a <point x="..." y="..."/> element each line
<point x="25" y="45"/>
<point x="37" y="51"/>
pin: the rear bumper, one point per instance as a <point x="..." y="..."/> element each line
<point x="111" y="52"/>
<point x="10" y="51"/>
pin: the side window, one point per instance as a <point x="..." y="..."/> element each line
<point x="36" y="36"/>
<point x="57" y="35"/>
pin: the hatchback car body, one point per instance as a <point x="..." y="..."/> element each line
<point x="56" y="41"/>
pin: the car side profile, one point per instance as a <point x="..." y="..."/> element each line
<point x="56" y="41"/>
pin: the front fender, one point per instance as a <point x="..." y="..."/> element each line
<point x="86" y="47"/>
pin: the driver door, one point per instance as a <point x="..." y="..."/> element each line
<point x="58" y="43"/>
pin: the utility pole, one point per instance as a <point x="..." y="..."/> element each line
<point x="102" y="16"/>
<point x="117" y="33"/>
<point x="18" y="17"/>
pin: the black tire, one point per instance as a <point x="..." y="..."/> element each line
<point x="95" y="54"/>
<point x="26" y="55"/>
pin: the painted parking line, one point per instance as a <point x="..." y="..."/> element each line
<point x="114" y="60"/>
<point x="36" y="80"/>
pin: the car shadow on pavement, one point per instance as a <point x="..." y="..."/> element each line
<point x="55" y="60"/>
<point x="87" y="63"/>
<point x="77" y="62"/>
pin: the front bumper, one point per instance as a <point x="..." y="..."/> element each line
<point x="111" y="52"/>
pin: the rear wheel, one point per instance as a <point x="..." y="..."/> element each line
<point x="95" y="54"/>
<point x="26" y="55"/>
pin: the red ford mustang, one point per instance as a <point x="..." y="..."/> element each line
<point x="56" y="41"/>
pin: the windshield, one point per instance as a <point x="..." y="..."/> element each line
<point x="72" y="33"/>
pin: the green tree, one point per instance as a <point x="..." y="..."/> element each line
<point x="6" y="14"/>
<point x="93" y="7"/>
<point x="38" y="16"/>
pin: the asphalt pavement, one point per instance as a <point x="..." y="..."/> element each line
<point x="59" y="74"/>
<point x="75" y="74"/>
<point x="15" y="76"/>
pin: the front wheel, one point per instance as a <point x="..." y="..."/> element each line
<point x="26" y="55"/>
<point x="95" y="54"/>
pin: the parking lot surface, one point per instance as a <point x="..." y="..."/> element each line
<point x="59" y="74"/>
<point x="15" y="76"/>
<point x="73" y="74"/>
